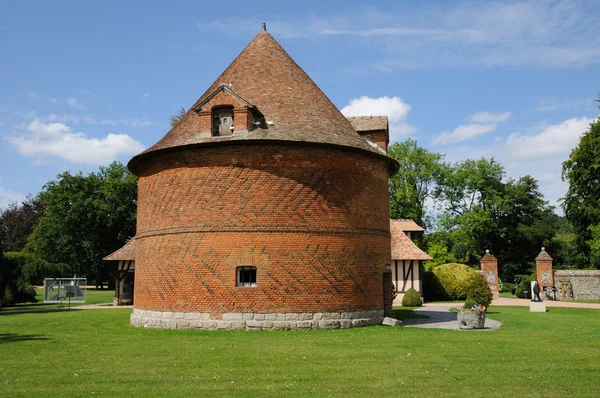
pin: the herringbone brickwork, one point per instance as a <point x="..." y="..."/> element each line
<point x="313" y="221"/>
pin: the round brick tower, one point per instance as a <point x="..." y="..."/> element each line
<point x="262" y="208"/>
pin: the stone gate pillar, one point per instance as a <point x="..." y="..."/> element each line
<point x="489" y="269"/>
<point x="543" y="265"/>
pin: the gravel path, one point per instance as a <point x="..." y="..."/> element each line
<point x="439" y="317"/>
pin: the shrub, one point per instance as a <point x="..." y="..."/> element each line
<point x="432" y="288"/>
<point x="507" y="287"/>
<point x="455" y="280"/>
<point x="524" y="287"/>
<point x="469" y="304"/>
<point x="411" y="298"/>
<point x="480" y="292"/>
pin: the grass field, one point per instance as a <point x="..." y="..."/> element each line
<point x="97" y="353"/>
<point x="92" y="297"/>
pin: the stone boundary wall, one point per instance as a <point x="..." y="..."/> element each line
<point x="585" y="284"/>
<point x="249" y="321"/>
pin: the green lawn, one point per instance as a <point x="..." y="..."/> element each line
<point x="96" y="352"/>
<point x="92" y="297"/>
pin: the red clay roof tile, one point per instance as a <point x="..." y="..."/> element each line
<point x="269" y="79"/>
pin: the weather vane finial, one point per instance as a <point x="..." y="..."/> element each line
<point x="264" y="27"/>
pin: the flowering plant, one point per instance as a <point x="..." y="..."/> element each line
<point x="471" y="306"/>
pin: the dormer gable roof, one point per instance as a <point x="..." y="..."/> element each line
<point x="227" y="88"/>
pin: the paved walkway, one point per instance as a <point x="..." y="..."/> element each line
<point x="517" y="302"/>
<point x="439" y="317"/>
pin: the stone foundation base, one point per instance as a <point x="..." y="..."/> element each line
<point x="245" y="321"/>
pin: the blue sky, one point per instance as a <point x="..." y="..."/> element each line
<point x="85" y="83"/>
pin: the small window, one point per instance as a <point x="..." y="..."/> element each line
<point x="246" y="276"/>
<point x="222" y="124"/>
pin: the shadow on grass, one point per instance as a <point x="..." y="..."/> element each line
<point x="402" y="313"/>
<point x="14" y="338"/>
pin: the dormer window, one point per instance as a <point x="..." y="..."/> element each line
<point x="222" y="121"/>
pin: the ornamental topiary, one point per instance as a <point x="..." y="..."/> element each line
<point x="479" y="291"/>
<point x="411" y="299"/>
<point x="455" y="279"/>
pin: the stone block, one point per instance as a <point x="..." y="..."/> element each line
<point x="357" y="323"/>
<point x="280" y="317"/>
<point x="291" y="317"/>
<point x="387" y="321"/>
<point x="232" y="316"/>
<point x="281" y="325"/>
<point x="209" y="324"/>
<point x="318" y="316"/>
<point x="178" y="315"/>
<point x="537" y="306"/>
<point x="196" y="324"/>
<point x="191" y="315"/>
<point x="329" y="324"/>
<point x="259" y="317"/>
<point x="183" y="324"/>
<point x="247" y="317"/>
<point x="254" y="325"/>
<point x="223" y="325"/>
<point x="346" y="323"/>
<point x="304" y="325"/>
<point x="167" y="315"/>
<point x="238" y="325"/>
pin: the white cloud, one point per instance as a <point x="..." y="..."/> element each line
<point x="464" y="132"/>
<point x="393" y="107"/>
<point x="32" y="96"/>
<point x="554" y="104"/>
<point x="133" y="122"/>
<point x="486" y="117"/>
<point x="146" y="96"/>
<point x="485" y="122"/>
<point x="552" y="33"/>
<point x="74" y="103"/>
<point x="8" y="196"/>
<point x="539" y="152"/>
<point x="63" y="118"/>
<point x="557" y="139"/>
<point x="58" y="140"/>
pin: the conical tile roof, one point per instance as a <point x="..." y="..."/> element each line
<point x="295" y="109"/>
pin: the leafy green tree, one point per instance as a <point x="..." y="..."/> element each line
<point x="581" y="204"/>
<point x="470" y="183"/>
<point x="18" y="220"/>
<point x="174" y="119"/>
<point x="415" y="181"/>
<point x="86" y="218"/>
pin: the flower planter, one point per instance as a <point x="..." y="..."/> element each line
<point x="470" y="320"/>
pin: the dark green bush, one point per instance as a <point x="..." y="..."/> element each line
<point x="411" y="299"/>
<point x="455" y="279"/>
<point x="480" y="292"/>
<point x="20" y="271"/>
<point x="469" y="304"/>
<point x="507" y="287"/>
<point x="432" y="288"/>
<point x="524" y="287"/>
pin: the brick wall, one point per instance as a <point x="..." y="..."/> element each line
<point x="314" y="221"/>
<point x="378" y="136"/>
